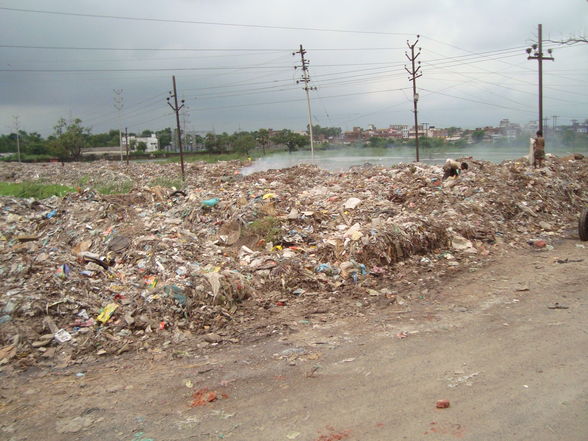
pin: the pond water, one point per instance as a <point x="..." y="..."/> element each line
<point x="344" y="157"/>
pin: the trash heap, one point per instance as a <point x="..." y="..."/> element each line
<point x="87" y="274"/>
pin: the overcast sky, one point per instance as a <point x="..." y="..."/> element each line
<point x="234" y="66"/>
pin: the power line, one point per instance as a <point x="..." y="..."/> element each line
<point x="474" y="57"/>
<point x="296" y="100"/>
<point x="475" y="101"/>
<point x="198" y="22"/>
<point x="168" y="69"/>
<point x="135" y="49"/>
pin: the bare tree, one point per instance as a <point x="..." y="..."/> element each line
<point x="570" y="40"/>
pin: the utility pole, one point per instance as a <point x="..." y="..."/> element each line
<point x="414" y="74"/>
<point x="17" y="128"/>
<point x="306" y="79"/>
<point x="176" y="109"/>
<point x="537" y="50"/>
<point x="118" y="105"/>
<point x="555" y="117"/>
<point x="127" y="143"/>
<point x="185" y="124"/>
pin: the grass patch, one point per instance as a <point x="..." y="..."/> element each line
<point x="213" y="157"/>
<point x="33" y="190"/>
<point x="267" y="227"/>
<point x="27" y="158"/>
<point x="84" y="181"/>
<point x="120" y="187"/>
<point x="162" y="181"/>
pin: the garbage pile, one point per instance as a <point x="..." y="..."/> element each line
<point x="89" y="274"/>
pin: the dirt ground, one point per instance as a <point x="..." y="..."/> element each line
<point x="506" y="344"/>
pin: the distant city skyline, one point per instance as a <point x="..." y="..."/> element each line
<point x="234" y="64"/>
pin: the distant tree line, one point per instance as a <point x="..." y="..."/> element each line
<point x="70" y="137"/>
<point x="564" y="136"/>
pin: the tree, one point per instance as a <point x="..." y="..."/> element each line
<point x="263" y="138"/>
<point x="142" y="147"/>
<point x="164" y="136"/>
<point x="210" y="143"/>
<point x="375" y="141"/>
<point x="223" y="142"/>
<point x="36" y="148"/>
<point x="451" y="131"/>
<point x="327" y="132"/>
<point x="198" y="141"/>
<point x="69" y="139"/>
<point x="478" y="135"/>
<point x="243" y="142"/>
<point x="571" y="40"/>
<point x="291" y="140"/>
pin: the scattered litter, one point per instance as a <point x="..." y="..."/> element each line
<point x="442" y="404"/>
<point x="569" y="260"/>
<point x="217" y="257"/>
<point x="334" y="435"/>
<point x="204" y="396"/>
<point x="210" y="202"/>
<point x="62" y="336"/>
<point x="107" y="312"/>
<point x="459" y="378"/>
<point x="558" y="306"/>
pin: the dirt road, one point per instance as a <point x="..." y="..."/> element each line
<point x="507" y="345"/>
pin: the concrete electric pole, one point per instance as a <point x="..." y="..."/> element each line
<point x="127" y="143"/>
<point x="555" y="117"/>
<point x="306" y="79"/>
<point x="118" y="105"/>
<point x="176" y="109"/>
<point x="17" y="128"/>
<point x="414" y="74"/>
<point x="537" y="50"/>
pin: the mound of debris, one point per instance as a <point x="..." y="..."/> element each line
<point x="89" y="274"/>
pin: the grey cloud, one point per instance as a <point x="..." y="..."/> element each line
<point x="498" y="89"/>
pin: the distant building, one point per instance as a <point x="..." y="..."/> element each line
<point x="151" y="142"/>
<point x="509" y="130"/>
<point x="355" y="135"/>
<point x="580" y="127"/>
<point x="401" y="129"/>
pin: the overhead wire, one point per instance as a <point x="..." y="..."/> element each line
<point x="295" y="100"/>
<point x="327" y="79"/>
<point x="197" y="22"/>
<point x="506" y="87"/>
<point x="141" y="49"/>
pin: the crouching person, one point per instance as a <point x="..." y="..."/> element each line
<point x="452" y="169"/>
